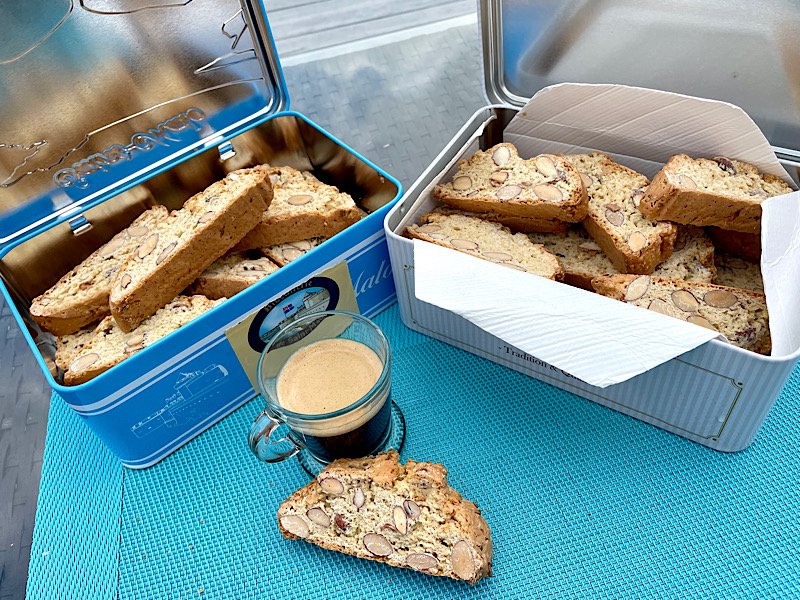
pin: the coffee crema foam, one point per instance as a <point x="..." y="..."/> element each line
<point x="327" y="376"/>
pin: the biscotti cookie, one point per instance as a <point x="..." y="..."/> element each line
<point x="578" y="253"/>
<point x="521" y="224"/>
<point x="283" y="254"/>
<point x="109" y="345"/>
<point x="692" y="257"/>
<point x="81" y="296"/>
<point x="229" y="275"/>
<point x="302" y="208"/>
<point x="583" y="259"/>
<point x="186" y="243"/>
<point x="489" y="241"/>
<point x="733" y="271"/>
<point x="739" y="315"/>
<point x="402" y="515"/>
<point x="284" y="175"/>
<point x="634" y="243"/>
<point x="72" y="345"/>
<point x="722" y="192"/>
<point x="543" y="188"/>
<point x="744" y="245"/>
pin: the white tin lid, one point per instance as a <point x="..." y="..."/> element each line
<point x="742" y="53"/>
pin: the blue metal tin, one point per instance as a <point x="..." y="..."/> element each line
<point x="161" y="397"/>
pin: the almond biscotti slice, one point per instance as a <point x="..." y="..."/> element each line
<point x="186" y="243"/>
<point x="578" y="253"/>
<point x="692" y="257"/>
<point x="72" y="345"/>
<point x="543" y="188"/>
<point x="230" y="274"/>
<point x="283" y="254"/>
<point x="722" y="192"/>
<point x="489" y="241"/>
<point x="302" y="208"/>
<point x="402" y="515"/>
<point x="634" y="243"/>
<point x="736" y="272"/>
<point x="739" y="315"/>
<point x="583" y="260"/>
<point x="521" y="224"/>
<point x="109" y="345"/>
<point x="81" y="296"/>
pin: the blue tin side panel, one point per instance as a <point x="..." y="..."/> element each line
<point x="165" y="411"/>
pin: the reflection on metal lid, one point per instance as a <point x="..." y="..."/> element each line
<point x="742" y="53"/>
<point x="93" y="93"/>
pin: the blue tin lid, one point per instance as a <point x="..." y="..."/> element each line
<point x="95" y="96"/>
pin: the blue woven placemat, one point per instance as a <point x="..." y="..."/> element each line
<point x="582" y="501"/>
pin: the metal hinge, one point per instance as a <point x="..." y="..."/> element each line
<point x="79" y="225"/>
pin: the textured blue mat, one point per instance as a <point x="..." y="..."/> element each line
<point x="582" y="502"/>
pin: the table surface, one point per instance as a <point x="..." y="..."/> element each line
<point x="582" y="501"/>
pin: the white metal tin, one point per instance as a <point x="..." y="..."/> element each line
<point x="717" y="395"/>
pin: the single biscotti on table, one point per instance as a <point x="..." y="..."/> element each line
<point x="403" y="515"/>
<point x="739" y="315"/>
<point x="81" y="296"/>
<point x="521" y="224"/>
<point x="545" y="188"/>
<point x="722" y="192"/>
<point x="302" y="208"/>
<point x="634" y="243"/>
<point x="109" y="345"/>
<point x="283" y="254"/>
<point x="736" y="272"/>
<point x="489" y="241"/>
<point x="186" y="243"/>
<point x="230" y="274"/>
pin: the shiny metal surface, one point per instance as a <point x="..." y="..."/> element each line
<point x="740" y="52"/>
<point x="93" y="92"/>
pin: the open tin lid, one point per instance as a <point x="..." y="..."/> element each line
<point x="96" y="96"/>
<point x="742" y="53"/>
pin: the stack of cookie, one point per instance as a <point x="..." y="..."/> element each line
<point x="169" y="267"/>
<point x="691" y="238"/>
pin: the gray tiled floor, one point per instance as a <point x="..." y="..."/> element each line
<point x="393" y="81"/>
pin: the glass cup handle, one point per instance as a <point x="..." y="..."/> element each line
<point x="262" y="446"/>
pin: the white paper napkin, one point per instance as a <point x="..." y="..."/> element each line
<point x="780" y="268"/>
<point x="597" y="339"/>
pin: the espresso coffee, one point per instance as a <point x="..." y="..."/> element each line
<point x="328" y="376"/>
<point x="361" y="441"/>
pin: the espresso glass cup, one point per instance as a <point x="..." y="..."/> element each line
<point x="292" y="423"/>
